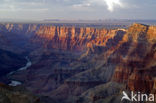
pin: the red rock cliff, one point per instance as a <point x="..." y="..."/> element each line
<point x="72" y="38"/>
<point x="137" y="68"/>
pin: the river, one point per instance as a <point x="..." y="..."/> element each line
<point x="28" y="64"/>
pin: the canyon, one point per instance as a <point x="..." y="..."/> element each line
<point x="79" y="64"/>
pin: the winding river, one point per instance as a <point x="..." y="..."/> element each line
<point x="28" y="64"/>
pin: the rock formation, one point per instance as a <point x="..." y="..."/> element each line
<point x="71" y="62"/>
<point x="137" y="68"/>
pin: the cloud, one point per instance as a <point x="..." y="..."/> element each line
<point x="81" y="5"/>
<point x="112" y="3"/>
<point x="77" y="9"/>
<point x="45" y="4"/>
<point x="109" y="4"/>
<point x="22" y="5"/>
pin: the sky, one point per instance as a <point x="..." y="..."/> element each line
<point x="77" y="9"/>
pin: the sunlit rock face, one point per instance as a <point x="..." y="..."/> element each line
<point x="62" y="37"/>
<point x="70" y="62"/>
<point x="137" y="68"/>
<point x="72" y="38"/>
<point x="134" y="60"/>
